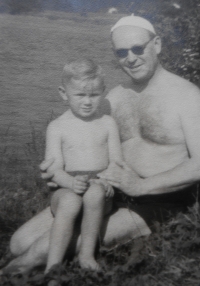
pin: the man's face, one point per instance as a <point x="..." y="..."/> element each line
<point x="136" y="51"/>
<point x="85" y="97"/>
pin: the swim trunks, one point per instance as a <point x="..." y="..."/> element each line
<point x="91" y="174"/>
<point x="160" y="207"/>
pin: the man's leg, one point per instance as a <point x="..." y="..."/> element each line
<point x="36" y="255"/>
<point x="121" y="227"/>
<point x="93" y="209"/>
<point x="30" y="243"/>
<point x="31" y="231"/>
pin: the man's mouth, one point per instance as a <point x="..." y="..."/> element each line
<point x="134" y="67"/>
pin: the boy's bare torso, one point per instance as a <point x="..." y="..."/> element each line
<point x="84" y="143"/>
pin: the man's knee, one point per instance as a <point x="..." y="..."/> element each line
<point x="16" y="244"/>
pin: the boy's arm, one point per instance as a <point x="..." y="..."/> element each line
<point x="54" y="150"/>
<point x="114" y="144"/>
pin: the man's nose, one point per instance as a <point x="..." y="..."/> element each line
<point x="131" y="57"/>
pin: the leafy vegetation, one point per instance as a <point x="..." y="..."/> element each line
<point x="33" y="50"/>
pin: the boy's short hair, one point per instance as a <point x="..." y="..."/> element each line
<point x="84" y="69"/>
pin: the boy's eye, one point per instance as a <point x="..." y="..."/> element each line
<point x="80" y="94"/>
<point x="94" y="94"/>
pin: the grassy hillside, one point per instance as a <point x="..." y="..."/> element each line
<point x="33" y="52"/>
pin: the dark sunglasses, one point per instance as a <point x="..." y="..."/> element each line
<point x="136" y="50"/>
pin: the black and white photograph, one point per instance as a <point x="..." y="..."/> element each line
<point x="100" y="143"/>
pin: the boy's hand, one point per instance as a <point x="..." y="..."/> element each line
<point x="80" y="184"/>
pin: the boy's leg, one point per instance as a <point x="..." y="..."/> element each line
<point x="93" y="211"/>
<point x="65" y="206"/>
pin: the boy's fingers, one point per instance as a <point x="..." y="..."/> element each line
<point x="81" y="184"/>
<point x="79" y="191"/>
<point x="46" y="164"/>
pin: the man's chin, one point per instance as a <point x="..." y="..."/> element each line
<point x="138" y="77"/>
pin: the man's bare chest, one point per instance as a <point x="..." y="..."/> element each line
<point x="152" y="121"/>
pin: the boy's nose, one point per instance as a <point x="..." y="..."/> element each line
<point x="87" y="100"/>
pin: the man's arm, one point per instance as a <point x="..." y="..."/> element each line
<point x="54" y="150"/>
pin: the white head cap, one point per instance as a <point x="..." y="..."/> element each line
<point x="134" y="21"/>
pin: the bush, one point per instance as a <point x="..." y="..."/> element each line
<point x="180" y="33"/>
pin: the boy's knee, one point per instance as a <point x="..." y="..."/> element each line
<point x="95" y="193"/>
<point x="66" y="201"/>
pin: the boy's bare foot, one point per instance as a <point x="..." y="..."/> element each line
<point x="89" y="263"/>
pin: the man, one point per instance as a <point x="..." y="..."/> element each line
<point x="158" y="116"/>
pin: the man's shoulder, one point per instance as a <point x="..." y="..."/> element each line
<point x="120" y="94"/>
<point x="107" y="119"/>
<point x="115" y="93"/>
<point x="108" y="122"/>
<point x="179" y="85"/>
<point x="184" y="94"/>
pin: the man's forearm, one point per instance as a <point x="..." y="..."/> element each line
<point x="182" y="175"/>
<point x="62" y="179"/>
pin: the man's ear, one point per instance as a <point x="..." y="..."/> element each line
<point x="113" y="50"/>
<point x="157" y="44"/>
<point x="63" y="93"/>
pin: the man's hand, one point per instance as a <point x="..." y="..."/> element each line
<point x="80" y="184"/>
<point x="47" y="175"/>
<point x="121" y="176"/>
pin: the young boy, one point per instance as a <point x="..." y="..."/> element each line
<point x="83" y="142"/>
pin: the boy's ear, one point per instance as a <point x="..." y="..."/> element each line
<point x="104" y="88"/>
<point x="62" y="93"/>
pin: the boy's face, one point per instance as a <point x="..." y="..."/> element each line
<point x="84" y="97"/>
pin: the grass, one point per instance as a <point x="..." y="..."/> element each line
<point x="33" y="51"/>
